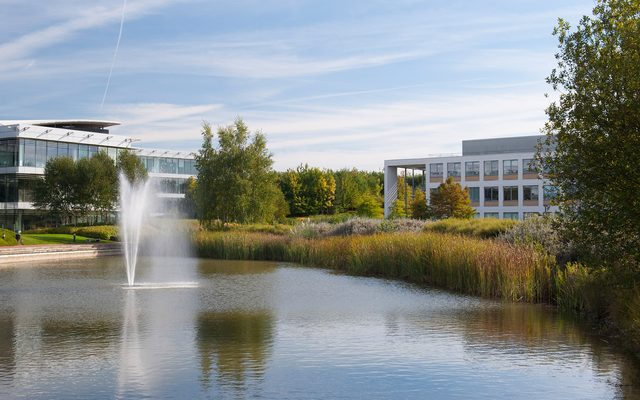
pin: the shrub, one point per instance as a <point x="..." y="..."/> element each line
<point x="9" y="238"/>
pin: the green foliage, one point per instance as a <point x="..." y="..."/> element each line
<point x="593" y="133"/>
<point x="318" y="190"/>
<point x="236" y="182"/>
<point x="369" y="205"/>
<point x="353" y="188"/>
<point x="480" y="228"/>
<point x="57" y="192"/>
<point x="71" y="189"/>
<point x="190" y="197"/>
<point x="131" y="166"/>
<point x="451" y="201"/>
<point x="419" y="207"/>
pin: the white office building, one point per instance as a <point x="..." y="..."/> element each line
<point x="26" y="146"/>
<point x="499" y="174"/>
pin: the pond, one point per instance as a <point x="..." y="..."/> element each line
<point x="235" y="329"/>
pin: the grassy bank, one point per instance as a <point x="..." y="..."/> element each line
<point x="464" y="264"/>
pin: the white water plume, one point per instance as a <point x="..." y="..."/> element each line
<point x="133" y="210"/>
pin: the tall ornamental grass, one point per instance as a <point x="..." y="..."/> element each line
<point x="468" y="265"/>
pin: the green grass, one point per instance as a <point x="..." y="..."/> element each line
<point x="103" y="232"/>
<point x="9" y="237"/>
<point x="53" y="238"/>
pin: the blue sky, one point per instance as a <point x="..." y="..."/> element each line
<point x="330" y="83"/>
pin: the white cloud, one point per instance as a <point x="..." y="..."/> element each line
<point x="360" y="136"/>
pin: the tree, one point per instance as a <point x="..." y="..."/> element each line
<point x="131" y="166"/>
<point x="56" y="192"/>
<point x="103" y="183"/>
<point x="236" y="182"/>
<point x="72" y="189"/>
<point x="419" y="207"/>
<point x="190" y="197"/>
<point x="593" y="132"/>
<point x="292" y="191"/>
<point x="451" y="201"/>
<point x="369" y="205"/>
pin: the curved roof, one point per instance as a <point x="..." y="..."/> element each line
<point x="75" y="122"/>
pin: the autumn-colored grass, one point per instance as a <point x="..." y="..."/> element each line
<point x="468" y="265"/>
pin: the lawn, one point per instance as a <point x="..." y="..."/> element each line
<point x="53" y="238"/>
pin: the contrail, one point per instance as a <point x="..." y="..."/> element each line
<point x="115" y="53"/>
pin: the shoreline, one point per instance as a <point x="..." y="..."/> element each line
<point x="48" y="252"/>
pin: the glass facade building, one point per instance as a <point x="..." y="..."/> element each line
<point x="26" y="146"/>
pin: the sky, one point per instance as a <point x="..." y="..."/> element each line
<point x="330" y="83"/>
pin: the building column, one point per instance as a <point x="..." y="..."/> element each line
<point x="390" y="188"/>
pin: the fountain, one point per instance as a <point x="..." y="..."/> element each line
<point x="133" y="208"/>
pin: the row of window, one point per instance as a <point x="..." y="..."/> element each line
<point x="509" y="215"/>
<point x="472" y="168"/>
<point x="14" y="188"/>
<point x="36" y="153"/>
<point x="510" y="193"/>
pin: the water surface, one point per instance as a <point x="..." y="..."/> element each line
<point x="276" y="331"/>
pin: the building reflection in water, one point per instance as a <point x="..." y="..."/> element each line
<point x="235" y="346"/>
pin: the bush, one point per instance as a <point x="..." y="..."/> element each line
<point x="540" y="232"/>
<point x="481" y="227"/>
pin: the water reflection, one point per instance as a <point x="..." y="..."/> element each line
<point x="7" y="348"/>
<point x="235" y="346"/>
<point x="261" y="330"/>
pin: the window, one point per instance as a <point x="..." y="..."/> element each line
<point x="529" y="166"/>
<point x="510" y="167"/>
<point x="8" y="153"/>
<point x="474" y="194"/>
<point x="550" y="192"/>
<point x="73" y="151"/>
<point x="472" y="168"/>
<point x="181" y="169"/>
<point x="83" y="151"/>
<point x="52" y="150"/>
<point x="112" y="153"/>
<point x="492" y="215"/>
<point x="491" y="193"/>
<point x="528" y="215"/>
<point x="511" y="215"/>
<point x="491" y="168"/>
<point x="93" y="150"/>
<point x="435" y="170"/>
<point x="63" y="149"/>
<point x="510" y="193"/>
<point x="29" y="156"/>
<point x="41" y="153"/>
<point x="530" y="192"/>
<point x="453" y="169"/>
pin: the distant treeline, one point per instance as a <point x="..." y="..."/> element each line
<point x="311" y="191"/>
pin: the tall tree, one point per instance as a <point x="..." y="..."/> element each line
<point x="451" y="201"/>
<point x="593" y="132"/>
<point x="131" y="166"/>
<point x="236" y="182"/>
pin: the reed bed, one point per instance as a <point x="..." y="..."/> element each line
<point x="469" y="265"/>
